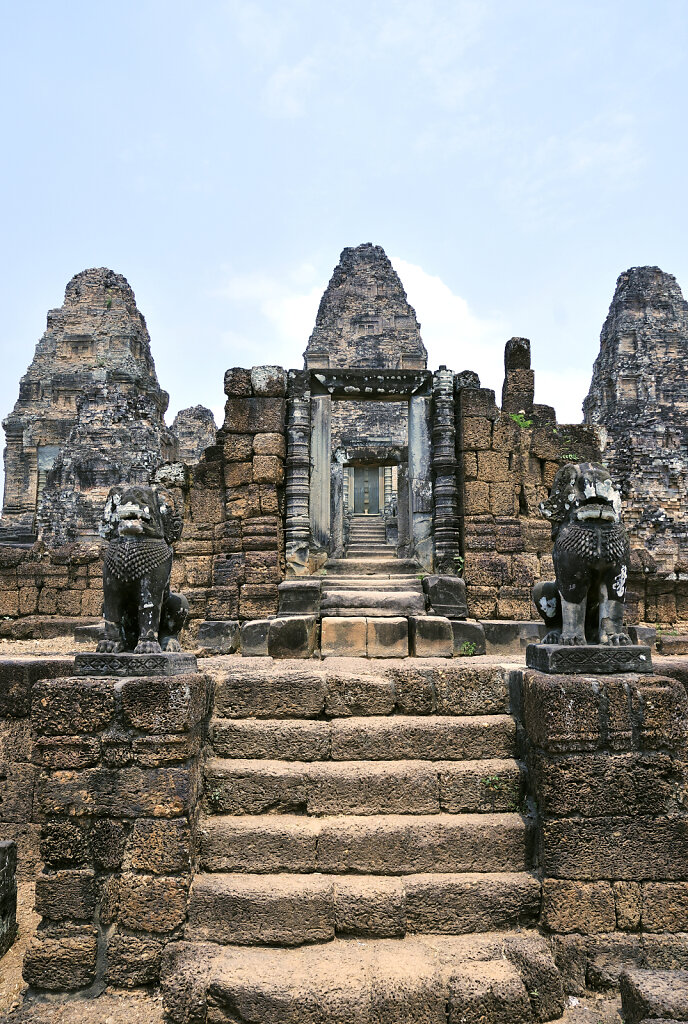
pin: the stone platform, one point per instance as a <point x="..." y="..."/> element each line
<point x="128" y="664"/>
<point x="597" y="659"/>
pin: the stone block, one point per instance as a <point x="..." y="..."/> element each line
<point x="238" y="381"/>
<point x="387" y="637"/>
<point x="159" y="847"/>
<point x="164" y="704"/>
<point x="623" y="848"/>
<point x="254" y="416"/>
<point x="268" y="469"/>
<point x="269" y="380"/>
<point x="606" y="783"/>
<point x="71" y="705"/>
<point x="482" y="601"/>
<point x="486" y="569"/>
<point x="254" y="638"/>
<point x="66" y="894"/>
<point x="219" y="637"/>
<point x="64" y="752"/>
<point x="447" y="596"/>
<point x="493" y="466"/>
<point x="654" y="995"/>
<point x="343" y="636"/>
<point x="129" y="792"/>
<point x="476" y="433"/>
<point x="468" y="638"/>
<point x="476" y="497"/>
<point x="238" y="473"/>
<point x="17" y="679"/>
<point x="270" y="444"/>
<point x="147" y="903"/>
<point x="238" y="447"/>
<point x="585" y="907"/>
<point x="294" y="636"/>
<point x="258" y="600"/>
<point x="108" y="839"/>
<point x="64" y="843"/>
<point x="222" y="604"/>
<point x="133" y="960"/>
<point x="156" y="751"/>
<point x="369" y="907"/>
<point x="61" y="964"/>
<point x="665" y="906"/>
<point x="628" y="901"/>
<point x="299" y="597"/>
<point x="358" y="694"/>
<point x="431" y="637"/>
<point x="599" y="659"/>
<point x="284" y="692"/>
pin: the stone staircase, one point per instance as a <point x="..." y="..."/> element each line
<point x="364" y="856"/>
<point x="370" y="581"/>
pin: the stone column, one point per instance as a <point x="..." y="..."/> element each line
<point x="420" y="483"/>
<point x="321" y="455"/>
<point x="388" y="489"/>
<point x="298" y="474"/>
<point x="445" y="486"/>
<point x="337" y="473"/>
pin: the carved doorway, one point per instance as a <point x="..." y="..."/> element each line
<point x="366" y="490"/>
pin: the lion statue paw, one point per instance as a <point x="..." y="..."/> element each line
<point x="109" y="647"/>
<point x="148" y="647"/>
<point x="617" y="640"/>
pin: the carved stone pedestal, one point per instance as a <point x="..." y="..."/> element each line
<point x="128" y="664"/>
<point x="591" y="659"/>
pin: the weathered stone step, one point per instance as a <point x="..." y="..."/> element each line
<point x="654" y="995"/>
<point x="366" y="566"/>
<point x="389" y="584"/>
<point x="501" y="977"/>
<point x="292" y="909"/>
<point x="375" y="602"/>
<point x="264" y="786"/>
<point x="392" y="738"/>
<point x="297" y="689"/>
<point x="386" y="844"/>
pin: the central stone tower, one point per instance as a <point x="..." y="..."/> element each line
<point x="364" y="318"/>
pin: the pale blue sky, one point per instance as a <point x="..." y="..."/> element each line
<point x="513" y="159"/>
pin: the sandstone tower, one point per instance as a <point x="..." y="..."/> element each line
<point x="194" y="430"/>
<point x="364" y="318"/>
<point x="638" y="394"/>
<point x="90" y="413"/>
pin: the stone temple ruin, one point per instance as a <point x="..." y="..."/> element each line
<point x="342" y="811"/>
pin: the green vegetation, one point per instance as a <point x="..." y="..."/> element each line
<point x="519" y="418"/>
<point x="467" y="649"/>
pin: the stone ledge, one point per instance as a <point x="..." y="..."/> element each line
<point x="599" y="659"/>
<point x="128" y="664"/>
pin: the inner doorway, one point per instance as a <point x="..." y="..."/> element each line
<point x="366" y="490"/>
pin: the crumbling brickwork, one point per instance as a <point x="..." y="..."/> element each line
<point x="507" y="461"/>
<point x="117" y="766"/>
<point x="612" y="826"/>
<point x="230" y="558"/>
<point x="18" y="677"/>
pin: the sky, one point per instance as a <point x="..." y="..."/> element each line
<point x="511" y="158"/>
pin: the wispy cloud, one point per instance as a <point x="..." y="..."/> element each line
<point x="289" y="87"/>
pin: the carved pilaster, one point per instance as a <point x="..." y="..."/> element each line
<point x="445" y="486"/>
<point x="297" y="486"/>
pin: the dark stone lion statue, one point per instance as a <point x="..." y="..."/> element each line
<point x="591" y="555"/>
<point x="141" y="614"/>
